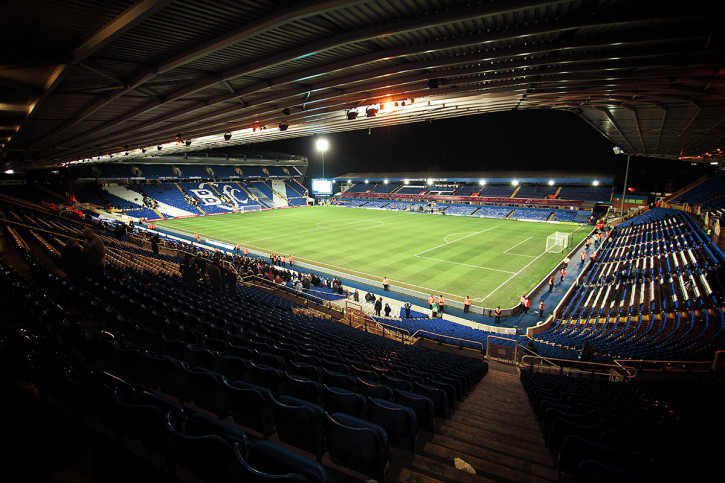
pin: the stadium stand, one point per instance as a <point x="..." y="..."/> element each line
<point x="186" y="348"/>
<point x="536" y="191"/>
<point x="467" y="190"/>
<point x="29" y="192"/>
<point x="706" y="193"/>
<point x="169" y="191"/>
<point x="531" y="214"/>
<point x="586" y="193"/>
<point x="412" y="190"/>
<point x="653" y="292"/>
<point x="541" y="201"/>
<point x="208" y="382"/>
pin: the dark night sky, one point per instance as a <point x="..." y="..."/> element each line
<point x="512" y="140"/>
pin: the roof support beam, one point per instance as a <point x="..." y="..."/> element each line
<point x="121" y="24"/>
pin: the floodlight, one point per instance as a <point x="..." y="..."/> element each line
<point x="351" y="114"/>
<point x="595" y="183"/>
<point x="385" y="181"/>
<point x="322" y="144"/>
<point x="367" y="181"/>
<point x="482" y="182"/>
<point x="227" y="136"/>
<point x="159" y="147"/>
<point x="429" y="182"/>
<point x="188" y="142"/>
<point x="371" y="112"/>
<point x="551" y="182"/>
<point x="143" y="150"/>
<point x="515" y="182"/>
<point x="618" y="150"/>
<point x="406" y="181"/>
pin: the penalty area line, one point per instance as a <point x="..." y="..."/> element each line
<point x="512" y="277"/>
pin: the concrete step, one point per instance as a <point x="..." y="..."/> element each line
<point x="439" y="469"/>
<point x="502" y="452"/>
<point x="524" y="471"/>
<point x="525" y="428"/>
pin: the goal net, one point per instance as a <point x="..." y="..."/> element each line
<point x="557" y="242"/>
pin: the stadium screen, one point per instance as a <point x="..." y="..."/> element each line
<point x="321" y="187"/>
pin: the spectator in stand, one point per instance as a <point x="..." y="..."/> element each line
<point x="387" y="309"/>
<point x="155" y="244"/>
<point x="441" y="304"/>
<point x="498" y="315"/>
<point x="188" y="272"/>
<point x="385" y="283"/>
<point x="407" y="310"/>
<point x="466" y="304"/>
<point x="215" y="277"/>
<point x="94" y="253"/>
<point x="71" y="259"/>
<point x="378" y="306"/>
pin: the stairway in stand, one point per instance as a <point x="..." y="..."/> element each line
<point x="494" y="430"/>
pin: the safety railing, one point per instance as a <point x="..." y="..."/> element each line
<point x="568" y="367"/>
<point x="441" y="338"/>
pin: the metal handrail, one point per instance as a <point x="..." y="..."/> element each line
<point x="606" y="369"/>
<point x="405" y="332"/>
<point x="666" y="363"/>
<point x="448" y="337"/>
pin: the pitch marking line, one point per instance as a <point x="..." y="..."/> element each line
<point x="464" y="264"/>
<point x="457" y="240"/>
<point x="511" y="277"/>
<point x="519" y="254"/>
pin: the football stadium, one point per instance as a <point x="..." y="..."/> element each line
<point x="362" y="241"/>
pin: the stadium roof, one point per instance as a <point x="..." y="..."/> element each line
<point x="83" y="79"/>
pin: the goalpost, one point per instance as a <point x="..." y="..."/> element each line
<point x="557" y="242"/>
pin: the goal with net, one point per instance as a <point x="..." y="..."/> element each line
<point x="557" y="242"/>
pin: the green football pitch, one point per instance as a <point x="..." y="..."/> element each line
<point x="492" y="261"/>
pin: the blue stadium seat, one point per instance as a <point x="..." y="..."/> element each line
<point x="399" y="422"/>
<point x="339" y="400"/>
<point x="357" y="444"/>
<point x="300" y="423"/>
